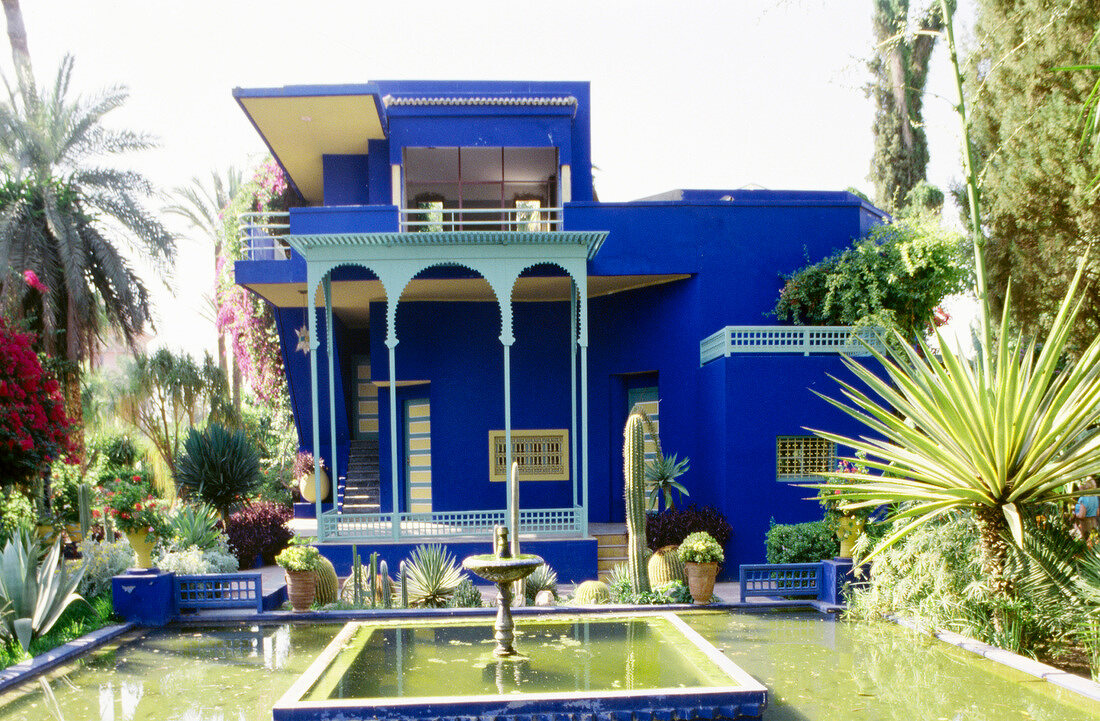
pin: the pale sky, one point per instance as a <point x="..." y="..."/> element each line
<point x="689" y="94"/>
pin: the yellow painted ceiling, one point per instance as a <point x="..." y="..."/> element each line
<point x="350" y="299"/>
<point x="302" y="129"/>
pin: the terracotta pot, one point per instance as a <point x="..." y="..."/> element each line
<point x="306" y="487"/>
<point x="701" y="580"/>
<point x="301" y="587"/>
<point x="848" y="531"/>
<point x="143" y="549"/>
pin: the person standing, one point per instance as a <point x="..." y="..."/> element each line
<point x="1086" y="514"/>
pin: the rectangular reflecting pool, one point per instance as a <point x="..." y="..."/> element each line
<point x="596" y="666"/>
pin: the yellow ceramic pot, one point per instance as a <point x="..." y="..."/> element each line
<point x="306" y="486"/>
<point x="143" y="549"/>
<point x="848" y="531"/>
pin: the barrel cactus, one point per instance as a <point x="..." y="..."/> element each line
<point x="634" y="476"/>
<point x="327" y="584"/>
<point x="592" y="592"/>
<point x="665" y="566"/>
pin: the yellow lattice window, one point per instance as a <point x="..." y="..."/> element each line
<point x="542" y="455"/>
<point x="802" y="457"/>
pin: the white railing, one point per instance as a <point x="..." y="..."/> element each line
<point x="805" y="339"/>
<point x="260" y="235"/>
<point x="446" y="524"/>
<point x="507" y="219"/>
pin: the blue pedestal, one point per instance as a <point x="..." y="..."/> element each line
<point x="836" y="574"/>
<point x="147" y="598"/>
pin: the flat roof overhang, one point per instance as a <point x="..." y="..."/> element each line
<point x="351" y="299"/>
<point x="300" y="124"/>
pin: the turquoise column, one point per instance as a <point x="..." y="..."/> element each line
<point x="315" y="403"/>
<point x="391" y="344"/>
<point x="330" y="343"/>
<point x="573" y="386"/>
<point x="509" y="501"/>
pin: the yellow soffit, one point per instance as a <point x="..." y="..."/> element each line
<point x="299" y="130"/>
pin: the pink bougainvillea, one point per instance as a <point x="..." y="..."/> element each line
<point x="245" y="318"/>
<point x="34" y="429"/>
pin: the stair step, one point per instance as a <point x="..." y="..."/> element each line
<point x="611" y="552"/>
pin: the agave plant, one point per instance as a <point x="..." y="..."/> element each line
<point x="661" y="473"/>
<point x="991" y="437"/>
<point x="542" y="578"/>
<point x="433" y="576"/>
<point x="218" y="465"/>
<point x="33" y="596"/>
<point x="194" y="524"/>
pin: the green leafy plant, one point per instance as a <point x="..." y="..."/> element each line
<point x="800" y="542"/>
<point x="433" y="576"/>
<point x="33" y="595"/>
<point x="218" y="465"/>
<point x="299" y="558"/>
<point x="894" y="278"/>
<point x="193" y="560"/>
<point x="700" y="547"/>
<point x="194" y="524"/>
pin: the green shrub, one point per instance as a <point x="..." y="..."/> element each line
<point x="194" y="524"/>
<point x="700" y="547"/>
<point x="102" y="561"/>
<point x="16" y="513"/>
<point x="800" y="542"/>
<point x="299" y="558"/>
<point x="194" y="560"/>
<point x="466" y="596"/>
<point x="219" y="466"/>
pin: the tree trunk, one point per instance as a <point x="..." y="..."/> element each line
<point x="993" y="549"/>
<point x="20" y="52"/>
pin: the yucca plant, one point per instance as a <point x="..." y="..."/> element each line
<point x="433" y="576"/>
<point x="991" y="437"/>
<point x="661" y="472"/>
<point x="219" y="466"/>
<point x="33" y="596"/>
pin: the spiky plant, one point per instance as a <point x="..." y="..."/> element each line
<point x="433" y="576"/>
<point x="220" y="466"/>
<point x="74" y="220"/>
<point x="542" y="578"/>
<point x="194" y="524"/>
<point x="32" y="595"/>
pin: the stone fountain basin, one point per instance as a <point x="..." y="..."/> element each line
<point x="502" y="570"/>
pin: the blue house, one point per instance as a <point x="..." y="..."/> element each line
<point x="474" y="304"/>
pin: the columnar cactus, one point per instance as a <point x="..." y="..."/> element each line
<point x="404" y="585"/>
<point x="374" y="580"/>
<point x="84" y="504"/>
<point x="634" y="476"/>
<point x="387" y="588"/>
<point x="356" y="576"/>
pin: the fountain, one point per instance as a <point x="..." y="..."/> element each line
<point x="503" y="569"/>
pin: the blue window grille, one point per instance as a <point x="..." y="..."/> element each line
<point x="220" y="590"/>
<point x="777" y="580"/>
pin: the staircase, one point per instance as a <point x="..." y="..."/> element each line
<point x="361" y="486"/>
<point x="610" y="548"/>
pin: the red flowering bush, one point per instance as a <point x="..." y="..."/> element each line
<point x="134" y="508"/>
<point x="34" y="429"/>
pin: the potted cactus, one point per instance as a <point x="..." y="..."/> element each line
<point x="300" y="564"/>
<point x="701" y="555"/>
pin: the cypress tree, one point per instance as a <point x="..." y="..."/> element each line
<point x="900" y="70"/>
<point x="1040" y="212"/>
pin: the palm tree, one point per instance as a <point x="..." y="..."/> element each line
<point x="202" y="206"/>
<point x="74" y="222"/>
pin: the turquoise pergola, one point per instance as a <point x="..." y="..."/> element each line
<point x="395" y="259"/>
